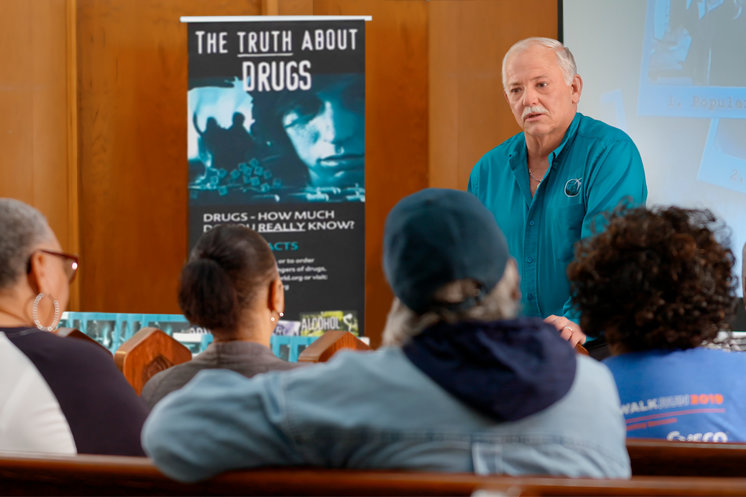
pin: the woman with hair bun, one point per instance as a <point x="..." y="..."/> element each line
<point x="231" y="286"/>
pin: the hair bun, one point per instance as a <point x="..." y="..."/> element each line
<point x="206" y="295"/>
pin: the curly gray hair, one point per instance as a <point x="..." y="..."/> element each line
<point x="23" y="228"/>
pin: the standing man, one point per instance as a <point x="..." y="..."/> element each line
<point x="548" y="184"/>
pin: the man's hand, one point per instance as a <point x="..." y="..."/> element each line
<point x="568" y="330"/>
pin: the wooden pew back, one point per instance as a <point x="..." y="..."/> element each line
<point x="662" y="457"/>
<point x="328" y="344"/>
<point x="76" y="333"/>
<point x="118" y="475"/>
<point x="148" y="352"/>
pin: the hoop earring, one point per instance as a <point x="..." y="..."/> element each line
<point x="35" y="312"/>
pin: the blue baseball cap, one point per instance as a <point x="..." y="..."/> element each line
<point x="437" y="236"/>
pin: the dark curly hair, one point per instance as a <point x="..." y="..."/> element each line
<point x="655" y="279"/>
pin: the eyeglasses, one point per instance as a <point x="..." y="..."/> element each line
<point x="70" y="265"/>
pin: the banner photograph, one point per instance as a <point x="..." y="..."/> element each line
<point x="276" y="142"/>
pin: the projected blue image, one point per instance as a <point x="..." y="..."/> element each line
<point x="694" y="65"/>
<point x="691" y="65"/>
<point x="691" y="41"/>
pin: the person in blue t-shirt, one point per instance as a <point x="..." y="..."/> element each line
<point x="546" y="185"/>
<point x="660" y="285"/>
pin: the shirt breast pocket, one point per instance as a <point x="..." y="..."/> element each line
<point x="568" y="226"/>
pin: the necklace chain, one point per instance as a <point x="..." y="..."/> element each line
<point x="533" y="177"/>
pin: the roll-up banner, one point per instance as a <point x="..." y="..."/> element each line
<point x="276" y="142"/>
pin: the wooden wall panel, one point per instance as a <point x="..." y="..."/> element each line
<point x="35" y="106"/>
<point x="396" y="126"/>
<point x="132" y="80"/>
<point x="468" y="113"/>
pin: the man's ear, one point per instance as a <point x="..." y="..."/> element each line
<point x="577" y="88"/>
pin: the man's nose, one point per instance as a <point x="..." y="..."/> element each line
<point x="529" y="96"/>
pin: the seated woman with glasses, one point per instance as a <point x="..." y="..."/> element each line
<point x="231" y="286"/>
<point x="57" y="395"/>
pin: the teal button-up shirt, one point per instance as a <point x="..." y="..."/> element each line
<point x="593" y="170"/>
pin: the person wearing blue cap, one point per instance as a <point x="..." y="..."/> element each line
<point x="463" y="386"/>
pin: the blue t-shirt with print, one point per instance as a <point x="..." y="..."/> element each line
<point x="694" y="395"/>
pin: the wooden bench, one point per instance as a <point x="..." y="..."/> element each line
<point x="151" y="350"/>
<point x="118" y="475"/>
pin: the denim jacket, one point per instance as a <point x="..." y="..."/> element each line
<point x="376" y="410"/>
